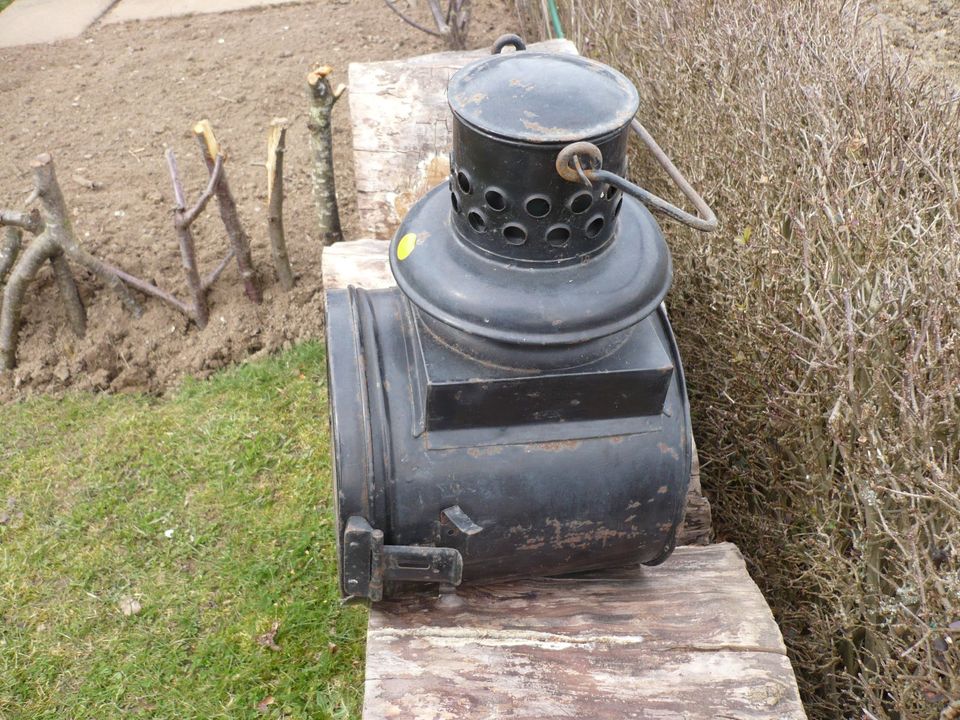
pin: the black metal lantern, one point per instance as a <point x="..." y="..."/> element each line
<point x="516" y="406"/>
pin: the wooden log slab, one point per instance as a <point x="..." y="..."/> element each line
<point x="402" y="131"/>
<point x="692" y="639"/>
<point x="364" y="264"/>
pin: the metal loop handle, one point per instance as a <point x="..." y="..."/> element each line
<point x="510" y="40"/>
<point x="569" y="167"/>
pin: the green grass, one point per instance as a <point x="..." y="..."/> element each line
<point x="4" y="3"/>
<point x="213" y="510"/>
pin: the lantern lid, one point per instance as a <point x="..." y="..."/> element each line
<point x="542" y="97"/>
<point x="543" y="305"/>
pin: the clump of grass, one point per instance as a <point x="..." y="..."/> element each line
<point x="820" y="326"/>
<point x="212" y="511"/>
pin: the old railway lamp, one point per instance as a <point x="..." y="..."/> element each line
<point x="516" y="406"/>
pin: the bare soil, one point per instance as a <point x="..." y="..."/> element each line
<point x="927" y="30"/>
<point x="108" y="104"/>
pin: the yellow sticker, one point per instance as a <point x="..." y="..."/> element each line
<point x="406" y="245"/>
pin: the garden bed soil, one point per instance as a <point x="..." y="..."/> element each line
<point x="107" y="105"/>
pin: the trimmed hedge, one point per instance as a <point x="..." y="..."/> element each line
<point x="820" y="326"/>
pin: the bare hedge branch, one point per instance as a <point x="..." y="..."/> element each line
<point x="821" y="328"/>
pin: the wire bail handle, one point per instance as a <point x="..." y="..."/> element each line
<point x="508" y="40"/>
<point x="582" y="162"/>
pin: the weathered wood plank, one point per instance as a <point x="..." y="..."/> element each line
<point x="364" y="264"/>
<point x="402" y="131"/>
<point x="690" y="639"/>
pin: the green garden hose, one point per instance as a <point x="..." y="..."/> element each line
<point x="555" y="19"/>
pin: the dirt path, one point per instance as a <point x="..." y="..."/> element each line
<point x="107" y="104"/>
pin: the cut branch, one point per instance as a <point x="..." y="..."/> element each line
<point x="56" y="243"/>
<point x="76" y="312"/>
<point x="58" y="228"/>
<point x="411" y="21"/>
<point x="148" y="288"/>
<point x="33" y="258"/>
<point x="198" y="311"/>
<point x="31" y="221"/>
<point x="9" y="250"/>
<point x="278" y="244"/>
<point x="210" y="150"/>
<point x="322" y="99"/>
<point x="213" y="276"/>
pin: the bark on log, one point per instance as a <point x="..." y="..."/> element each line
<point x="691" y="639"/>
<point x="322" y="100"/>
<point x="210" y="150"/>
<point x="276" y="146"/>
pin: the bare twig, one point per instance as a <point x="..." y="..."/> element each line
<point x="278" y="244"/>
<point x="322" y="100"/>
<point x="191" y="215"/>
<point x="410" y="21"/>
<point x="182" y="220"/>
<point x="213" y="276"/>
<point x="450" y="25"/>
<point x="150" y="289"/>
<point x="210" y="149"/>
<point x="198" y="311"/>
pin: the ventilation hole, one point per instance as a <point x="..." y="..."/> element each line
<point x="476" y="220"/>
<point x="495" y="200"/>
<point x="455" y="202"/>
<point x="612" y="193"/>
<point x="558" y="235"/>
<point x="538" y="206"/>
<point x="595" y="226"/>
<point x="515" y="234"/>
<point x="463" y="181"/>
<point x="580" y="202"/>
<point x="616" y="210"/>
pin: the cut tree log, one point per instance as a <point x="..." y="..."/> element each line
<point x="691" y="639"/>
<point x="275" y="148"/>
<point x="322" y="99"/>
<point x="240" y="243"/>
<point x="56" y="243"/>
